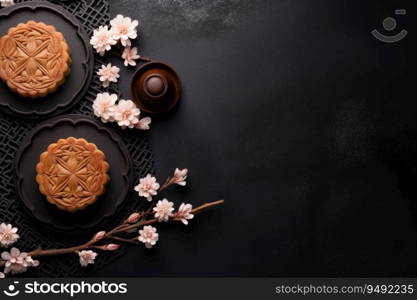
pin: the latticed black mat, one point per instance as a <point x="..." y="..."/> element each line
<point x="91" y="13"/>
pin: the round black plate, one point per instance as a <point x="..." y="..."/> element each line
<point x="76" y="126"/>
<point x="82" y="68"/>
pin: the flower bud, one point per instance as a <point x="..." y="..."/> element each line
<point x="133" y="218"/>
<point x="112" y="247"/>
<point x="99" y="236"/>
<point x="180" y="176"/>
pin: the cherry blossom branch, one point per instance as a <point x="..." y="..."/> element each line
<point x="116" y="39"/>
<point x="128" y="241"/>
<point x="162" y="210"/>
<point x="92" y="243"/>
<point x="194" y="211"/>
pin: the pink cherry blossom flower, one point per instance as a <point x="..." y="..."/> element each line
<point x="130" y="55"/>
<point x="104" y="106"/>
<point x="8" y="235"/>
<point x="124" y="29"/>
<point x="184" y="213"/>
<point x="87" y="257"/>
<point x="180" y="176"/>
<point x="17" y="262"/>
<point x="147" y="187"/>
<point x="14" y="261"/>
<point x="163" y="210"/>
<point x="102" y="39"/>
<point x="108" y="74"/>
<point x="148" y="236"/>
<point x="143" y="123"/>
<point x="2" y="275"/>
<point x="6" y="3"/>
<point x="126" y="114"/>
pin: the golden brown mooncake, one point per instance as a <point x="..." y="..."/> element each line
<point x="72" y="173"/>
<point x="34" y="59"/>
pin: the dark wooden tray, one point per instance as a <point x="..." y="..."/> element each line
<point x="106" y="140"/>
<point x="82" y="68"/>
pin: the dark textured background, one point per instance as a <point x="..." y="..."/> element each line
<point x="302" y="121"/>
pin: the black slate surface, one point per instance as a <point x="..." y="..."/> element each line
<point x="303" y="122"/>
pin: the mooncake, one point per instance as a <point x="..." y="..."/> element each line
<point x="34" y="59"/>
<point x="72" y="174"/>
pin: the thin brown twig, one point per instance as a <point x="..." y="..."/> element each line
<point x="166" y="184"/>
<point x="120" y="239"/>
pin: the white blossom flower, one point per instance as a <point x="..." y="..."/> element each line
<point x="87" y="257"/>
<point x="102" y="39"/>
<point x="163" y="210"/>
<point x="147" y="187"/>
<point x="184" y="213"/>
<point x="148" y="236"/>
<point x="124" y="29"/>
<point x="8" y="235"/>
<point x="180" y="176"/>
<point x="104" y="106"/>
<point x="126" y="114"/>
<point x="31" y="262"/>
<point x="130" y="55"/>
<point x="143" y="123"/>
<point x="14" y="261"/>
<point x="6" y="3"/>
<point x="17" y="262"/>
<point x="2" y="275"/>
<point x="108" y="74"/>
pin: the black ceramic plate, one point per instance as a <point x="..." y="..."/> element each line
<point x="76" y="126"/>
<point x="82" y="68"/>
